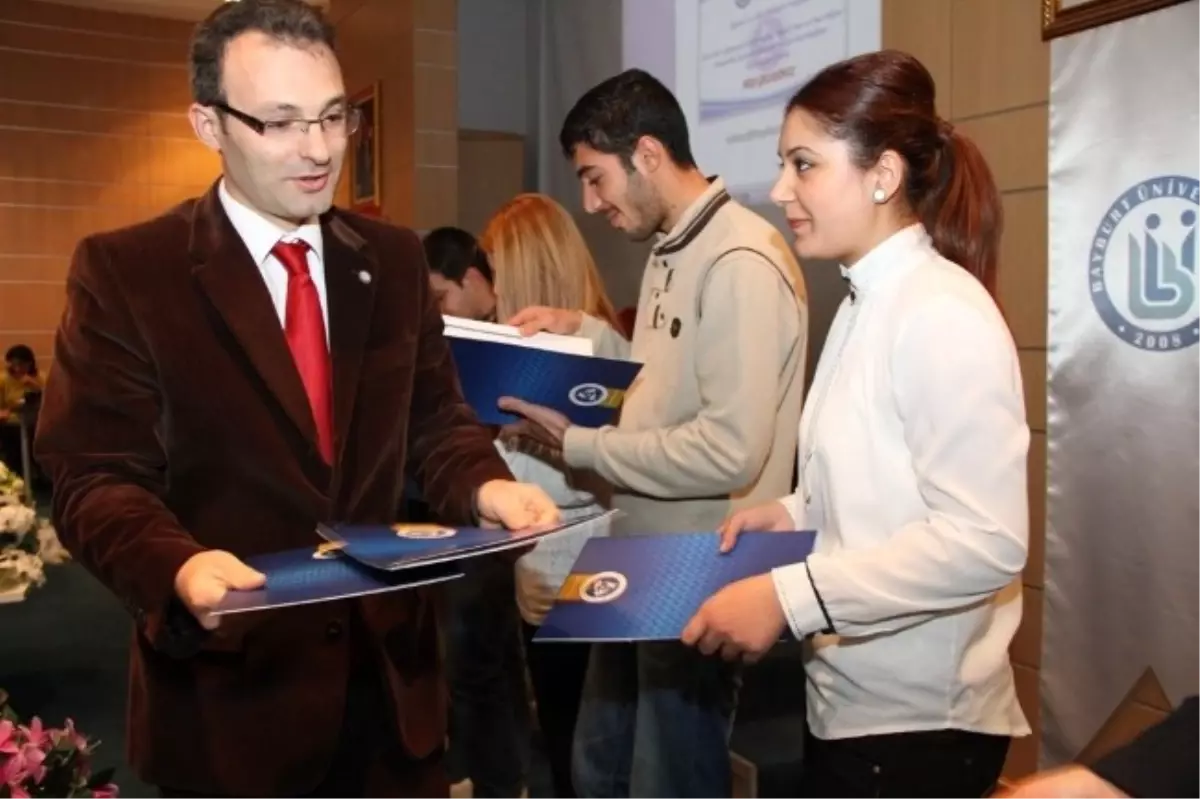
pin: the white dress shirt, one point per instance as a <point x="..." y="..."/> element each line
<point x="912" y="456"/>
<point x="261" y="235"/>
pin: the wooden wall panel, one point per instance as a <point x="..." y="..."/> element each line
<point x="436" y="183"/>
<point x="72" y="18"/>
<point x="922" y="27"/>
<point x="491" y="171"/>
<point x="999" y="59"/>
<point x="82" y="43"/>
<point x="93" y="136"/>
<point x="992" y="71"/>
<point x="376" y="45"/>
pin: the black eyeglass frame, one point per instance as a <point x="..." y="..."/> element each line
<point x="260" y="126"/>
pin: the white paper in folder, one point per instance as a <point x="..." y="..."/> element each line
<point x="457" y="327"/>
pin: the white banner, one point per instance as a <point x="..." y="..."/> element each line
<point x="738" y="62"/>
<point x="1123" y="436"/>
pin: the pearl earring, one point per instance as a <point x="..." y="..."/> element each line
<point x="879" y="195"/>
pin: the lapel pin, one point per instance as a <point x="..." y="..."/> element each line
<point x="364" y="277"/>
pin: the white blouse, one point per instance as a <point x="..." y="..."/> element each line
<point x="912" y="454"/>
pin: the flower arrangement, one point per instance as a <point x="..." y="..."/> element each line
<point x="38" y="761"/>
<point x="27" y="541"/>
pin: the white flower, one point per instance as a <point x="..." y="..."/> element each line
<point x="21" y="519"/>
<point x="17" y="519"/>
<point x="20" y="568"/>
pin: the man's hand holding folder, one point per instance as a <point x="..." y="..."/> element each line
<point x="544" y="425"/>
<point x="514" y="506"/>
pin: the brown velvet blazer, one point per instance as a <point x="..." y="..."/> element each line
<point x="175" y="421"/>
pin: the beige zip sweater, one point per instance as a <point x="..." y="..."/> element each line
<point x="710" y="423"/>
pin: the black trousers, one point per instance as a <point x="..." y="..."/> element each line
<point x="557" y="671"/>
<point x="937" y="763"/>
<point x="489" y="708"/>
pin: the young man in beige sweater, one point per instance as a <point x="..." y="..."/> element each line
<point x="708" y="427"/>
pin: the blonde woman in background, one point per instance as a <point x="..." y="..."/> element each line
<point x="538" y="254"/>
<point x="539" y="258"/>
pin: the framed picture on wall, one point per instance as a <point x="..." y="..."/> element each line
<point x="365" y="194"/>
<point x="1064" y="17"/>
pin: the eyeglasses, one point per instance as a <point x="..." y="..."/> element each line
<point x="341" y="122"/>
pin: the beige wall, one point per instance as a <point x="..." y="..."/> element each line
<point x="993" y="76"/>
<point x="491" y="171"/>
<point x="92" y="136"/>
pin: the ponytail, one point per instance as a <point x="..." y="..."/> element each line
<point x="886" y="100"/>
<point x="962" y="211"/>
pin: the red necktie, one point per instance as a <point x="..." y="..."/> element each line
<point x="304" y="326"/>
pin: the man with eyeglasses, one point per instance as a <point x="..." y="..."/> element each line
<point x="227" y="376"/>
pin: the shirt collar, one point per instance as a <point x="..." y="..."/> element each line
<point x="261" y="234"/>
<point x="887" y="259"/>
<point x="693" y="220"/>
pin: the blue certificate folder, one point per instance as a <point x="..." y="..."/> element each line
<point x="647" y="588"/>
<point x="321" y="574"/>
<point x="395" y="547"/>
<point x="587" y="389"/>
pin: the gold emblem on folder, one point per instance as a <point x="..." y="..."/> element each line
<point x="595" y="588"/>
<point x="423" y="531"/>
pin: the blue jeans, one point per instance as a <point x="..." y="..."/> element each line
<point x="655" y="721"/>
<point x="489" y="709"/>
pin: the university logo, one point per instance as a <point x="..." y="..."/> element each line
<point x="1142" y="264"/>
<point x="422" y="532"/>
<point x="768" y="48"/>
<point x="603" y="587"/>
<point x="589" y="395"/>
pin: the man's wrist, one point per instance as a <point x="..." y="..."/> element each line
<point x="476" y="508"/>
<point x="579" y="447"/>
<point x="477" y="514"/>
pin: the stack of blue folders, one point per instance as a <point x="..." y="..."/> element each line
<point x="647" y="588"/>
<point x="356" y="560"/>
<point x="558" y="372"/>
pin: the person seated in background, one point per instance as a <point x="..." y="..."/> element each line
<point x="460" y="274"/>
<point x="539" y="257"/>
<point x="19" y="378"/>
